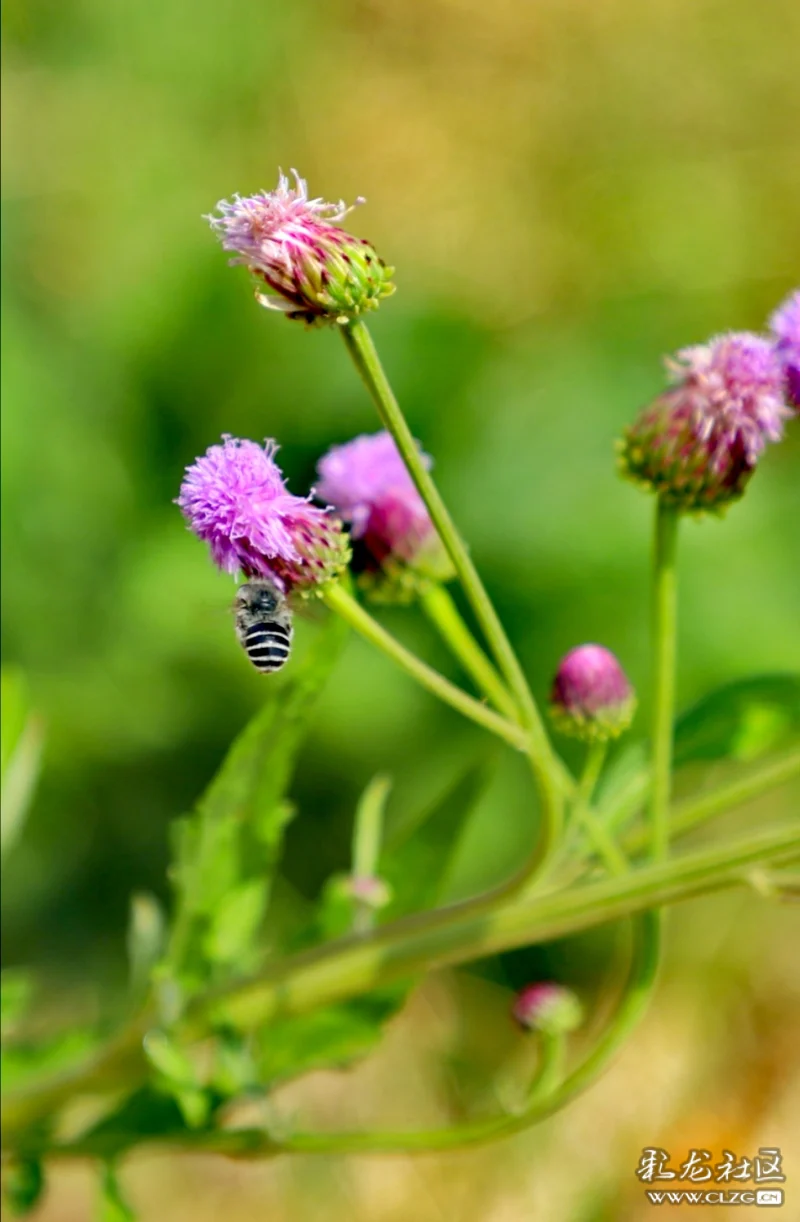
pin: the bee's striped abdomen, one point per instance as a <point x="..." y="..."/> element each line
<point x="268" y="646"/>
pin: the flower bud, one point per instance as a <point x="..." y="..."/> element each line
<point x="367" y="889"/>
<point x="785" y="326"/>
<point x="698" y="444"/>
<point x="548" y="1007"/>
<point x="235" y="499"/>
<point x="313" y="270"/>
<point x="396" y="549"/>
<point x="591" y="698"/>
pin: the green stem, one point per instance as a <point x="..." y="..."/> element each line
<point x="547" y="1095"/>
<point x="694" y="811"/>
<point x="586" y="818"/>
<point x="664" y="645"/>
<point x="403" y="949"/>
<point x="474" y="929"/>
<point x="438" y="605"/>
<point x="367" y="836"/>
<point x="546" y="772"/>
<point x="354" y="614"/>
<point x="362" y="350"/>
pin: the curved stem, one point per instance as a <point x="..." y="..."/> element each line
<point x="664" y="645"/>
<point x="440" y="609"/>
<point x="402" y="949"/>
<point x="548" y="779"/>
<point x="354" y="614"/>
<point x="548" y="1093"/>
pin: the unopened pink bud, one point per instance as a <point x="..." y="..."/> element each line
<point x="591" y="698"/>
<point x="548" y="1007"/>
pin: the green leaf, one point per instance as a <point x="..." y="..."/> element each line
<point x="420" y="854"/>
<point x="421" y="851"/>
<point x="113" y="1206"/>
<point x="225" y="855"/>
<point x="236" y="922"/>
<point x="331" y="1038"/>
<point x="21" y="744"/>
<point x="743" y="721"/>
<point x="24" y="1187"/>
<point x="170" y="1061"/>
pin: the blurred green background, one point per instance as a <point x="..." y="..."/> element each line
<point x="567" y="188"/>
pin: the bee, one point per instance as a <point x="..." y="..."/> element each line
<point x="263" y="624"/>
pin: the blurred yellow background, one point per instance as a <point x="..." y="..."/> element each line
<point x="568" y="190"/>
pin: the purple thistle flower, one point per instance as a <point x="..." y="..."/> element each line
<point x="698" y="444"/>
<point x="591" y="698"/>
<point x="367" y="482"/>
<point x="547" y="1007"/>
<point x="785" y="326"/>
<point x="235" y="499"/>
<point x="313" y="270"/>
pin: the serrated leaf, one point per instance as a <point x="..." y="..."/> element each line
<point x="743" y="721"/>
<point x="331" y="1038"/>
<point x="227" y="852"/>
<point x="235" y="922"/>
<point x="24" y="1187"/>
<point x="146" y="1114"/>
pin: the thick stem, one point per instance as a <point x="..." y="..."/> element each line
<point x="440" y="609"/>
<point x="664" y="655"/>
<point x="354" y="614"/>
<point x="404" y="949"/>
<point x="474" y="929"/>
<point x="546" y="772"/>
<point x="548" y="1093"/>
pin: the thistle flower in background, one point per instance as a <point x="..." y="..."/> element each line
<point x="396" y="546"/>
<point x="698" y="444"/>
<point x="235" y="499"/>
<point x="591" y="698"/>
<point x="785" y="327"/>
<point x="313" y="270"/>
<point x="548" y="1007"/>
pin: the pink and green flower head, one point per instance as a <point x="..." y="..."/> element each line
<point x="307" y="267"/>
<point x="785" y="327"/>
<point x="368" y="484"/>
<point x="591" y="698"/>
<point x="235" y="499"/>
<point x="698" y="444"/>
<point x="549" y="1008"/>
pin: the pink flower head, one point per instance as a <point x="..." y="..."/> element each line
<point x="698" y="444"/>
<point x="313" y="270"/>
<point x="591" y="698"/>
<point x="235" y="499"/>
<point x="368" y="483"/>
<point x="547" y="1007"/>
<point x="785" y="326"/>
